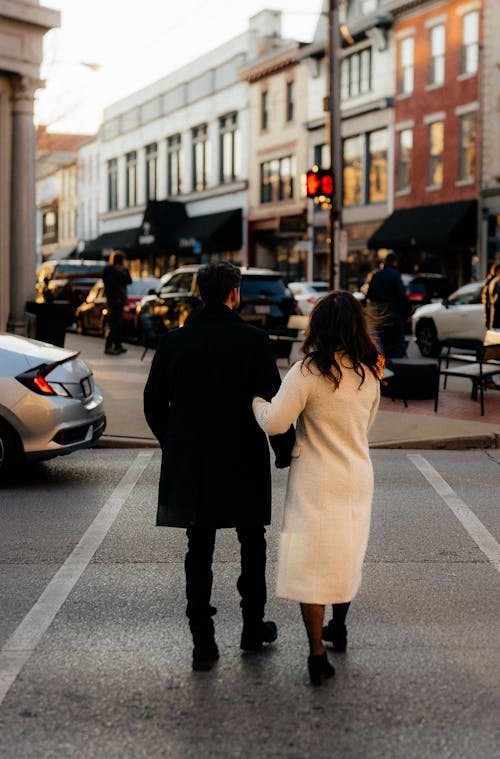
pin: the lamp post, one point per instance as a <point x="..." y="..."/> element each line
<point x="335" y="141"/>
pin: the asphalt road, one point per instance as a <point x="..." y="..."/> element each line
<point x="95" y="654"/>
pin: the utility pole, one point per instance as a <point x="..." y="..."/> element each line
<point x="335" y="140"/>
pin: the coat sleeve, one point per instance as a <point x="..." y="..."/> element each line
<point x="157" y="392"/>
<point x="267" y="383"/>
<point x="276" y="416"/>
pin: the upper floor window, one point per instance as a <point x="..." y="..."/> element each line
<point x="230" y="148"/>
<point x="405" y="151"/>
<point x="277" y="179"/>
<point x="174" y="165"/>
<point x="290" y="89"/>
<point x="151" y="171"/>
<point x="470" y="43"/>
<point x="435" y="157"/>
<point x="264" y="109"/>
<point x="405" y="65"/>
<point x="353" y="150"/>
<point x="378" y="144"/>
<point x="112" y="184"/>
<point x="437" y="54"/>
<point x="201" y="157"/>
<point x="467" y="158"/>
<point x="131" y="179"/>
<point x="49" y="224"/>
<point x="356" y="73"/>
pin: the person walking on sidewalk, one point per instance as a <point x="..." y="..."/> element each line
<point x="215" y="470"/>
<point x="334" y="394"/>
<point x="387" y="292"/>
<point x="116" y="277"/>
<point x="492" y="304"/>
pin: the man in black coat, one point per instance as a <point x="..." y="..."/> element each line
<point x="116" y="277"/>
<point x="387" y="291"/>
<point x="215" y="469"/>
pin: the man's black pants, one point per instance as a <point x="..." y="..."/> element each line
<point x="251" y="583"/>
<point x="115" y="311"/>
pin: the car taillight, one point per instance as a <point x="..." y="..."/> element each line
<point x="34" y="379"/>
<point x="312" y="299"/>
<point x="295" y="307"/>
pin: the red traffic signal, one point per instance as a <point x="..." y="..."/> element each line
<point x="319" y="183"/>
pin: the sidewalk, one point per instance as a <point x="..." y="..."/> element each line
<point x="457" y="424"/>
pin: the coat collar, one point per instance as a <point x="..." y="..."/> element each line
<point x="216" y="312"/>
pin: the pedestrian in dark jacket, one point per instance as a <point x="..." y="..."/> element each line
<point x="215" y="469"/>
<point x="387" y="291"/>
<point x="116" y="277"/>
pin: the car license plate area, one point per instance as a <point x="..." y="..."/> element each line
<point x="262" y="308"/>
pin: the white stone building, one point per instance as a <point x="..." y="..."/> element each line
<point x="173" y="164"/>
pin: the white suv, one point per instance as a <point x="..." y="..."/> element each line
<point x="459" y="316"/>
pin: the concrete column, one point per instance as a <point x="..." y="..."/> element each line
<point x="23" y="207"/>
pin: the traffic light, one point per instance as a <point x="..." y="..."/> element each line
<point x="319" y="183"/>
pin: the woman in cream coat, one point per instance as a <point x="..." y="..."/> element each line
<point x="333" y="393"/>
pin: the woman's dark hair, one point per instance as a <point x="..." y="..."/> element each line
<point x="338" y="324"/>
<point x="216" y="281"/>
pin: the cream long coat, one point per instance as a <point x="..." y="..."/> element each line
<point x="330" y="483"/>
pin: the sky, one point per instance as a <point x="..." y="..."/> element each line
<point x="131" y="43"/>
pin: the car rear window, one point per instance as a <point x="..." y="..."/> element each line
<point x="253" y="286"/>
<point x="142" y="286"/>
<point x="78" y="270"/>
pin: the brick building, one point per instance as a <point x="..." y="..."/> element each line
<point x="436" y="138"/>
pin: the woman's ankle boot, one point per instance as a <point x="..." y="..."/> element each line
<point x="319" y="668"/>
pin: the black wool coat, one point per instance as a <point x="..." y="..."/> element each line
<point x="215" y="469"/>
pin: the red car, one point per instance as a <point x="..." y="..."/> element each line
<point x="91" y="315"/>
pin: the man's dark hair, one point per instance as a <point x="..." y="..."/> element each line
<point x="216" y="281"/>
<point x="117" y="257"/>
<point x="391" y="259"/>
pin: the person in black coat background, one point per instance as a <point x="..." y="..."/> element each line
<point x="215" y="470"/>
<point x="116" y="277"/>
<point x="387" y="291"/>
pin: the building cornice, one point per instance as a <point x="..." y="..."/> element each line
<point x="28" y="12"/>
<point x="270" y="66"/>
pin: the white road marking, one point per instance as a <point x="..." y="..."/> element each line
<point x="23" y="641"/>
<point x="476" y="529"/>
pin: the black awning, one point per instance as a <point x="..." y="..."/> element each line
<point x="124" y="239"/>
<point x="442" y="225"/>
<point x="164" y="218"/>
<point x="215" y="232"/>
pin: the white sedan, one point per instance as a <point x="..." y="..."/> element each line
<point x="307" y="293"/>
<point x="459" y="316"/>
<point x="49" y="404"/>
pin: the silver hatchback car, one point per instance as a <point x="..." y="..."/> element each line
<point x="49" y="404"/>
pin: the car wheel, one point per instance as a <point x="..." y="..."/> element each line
<point x="10" y="450"/>
<point x="427" y="339"/>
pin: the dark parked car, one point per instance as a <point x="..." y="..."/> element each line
<point x="92" y="315"/>
<point x="68" y="281"/>
<point x="423" y="288"/>
<point x="266" y="302"/>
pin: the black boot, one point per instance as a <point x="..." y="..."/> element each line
<point x="336" y="635"/>
<point x="255" y="634"/>
<point x="205" y="651"/>
<point x="319" y="668"/>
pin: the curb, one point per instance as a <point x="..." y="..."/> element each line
<point x="116" y="441"/>
<point x="467" y="442"/>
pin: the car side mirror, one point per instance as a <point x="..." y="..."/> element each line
<point x="151" y="291"/>
<point x="446" y="303"/>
